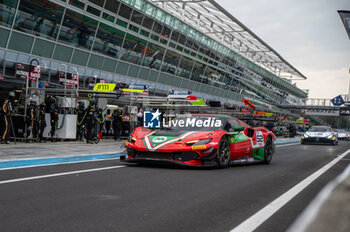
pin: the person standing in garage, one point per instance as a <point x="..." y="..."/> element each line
<point x="6" y="109"/>
<point x="80" y="111"/>
<point x="42" y="121"/>
<point x="91" y="122"/>
<point x="117" y="124"/>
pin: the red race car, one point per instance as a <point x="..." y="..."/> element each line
<point x="202" y="140"/>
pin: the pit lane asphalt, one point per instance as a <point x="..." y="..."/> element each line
<point x="153" y="198"/>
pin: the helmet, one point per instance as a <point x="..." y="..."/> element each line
<point x="32" y="103"/>
<point x="92" y="101"/>
<point x="81" y="104"/>
<point x="11" y="94"/>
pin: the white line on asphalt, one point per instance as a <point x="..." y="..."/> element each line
<point x="59" y="174"/>
<point x="308" y="216"/>
<point x="289" y="144"/>
<point x="265" y="213"/>
<point x="73" y="162"/>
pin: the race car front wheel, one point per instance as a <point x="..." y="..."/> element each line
<point x="268" y="150"/>
<point x="223" y="153"/>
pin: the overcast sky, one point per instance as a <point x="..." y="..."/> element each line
<point x="307" y="33"/>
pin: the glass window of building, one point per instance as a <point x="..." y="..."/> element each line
<point x="78" y="30"/>
<point x="39" y="17"/>
<point x="157" y="27"/>
<point x="93" y="10"/>
<point x="175" y="35"/>
<point x="149" y="8"/>
<point x="147" y="22"/>
<point x="154" y="37"/>
<point x="160" y="15"/>
<point x="189" y="42"/>
<point x="154" y="56"/>
<point x="144" y="33"/>
<point x="7" y="9"/>
<point x="98" y="2"/>
<point x="125" y="11"/>
<point x="182" y="39"/>
<point x="133" y="49"/>
<point x="137" y="17"/>
<point x="133" y="28"/>
<point x="166" y="31"/>
<point x="198" y="72"/>
<point x="195" y="46"/>
<point x="121" y="23"/>
<point x="108" y="17"/>
<point x="172" y="45"/>
<point x="112" y="6"/>
<point x="186" y="65"/>
<point x="171" y="62"/>
<point x="77" y="3"/>
<point x="108" y="40"/>
<point x="163" y="40"/>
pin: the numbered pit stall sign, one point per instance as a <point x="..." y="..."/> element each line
<point x="73" y="82"/>
<point x="104" y="87"/>
<point x="35" y="74"/>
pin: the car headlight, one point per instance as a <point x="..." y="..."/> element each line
<point x="131" y="139"/>
<point x="198" y="142"/>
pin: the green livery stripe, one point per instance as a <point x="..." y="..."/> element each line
<point x="240" y="137"/>
<point x="145" y="145"/>
<point x="160" y="139"/>
<point x="258" y="153"/>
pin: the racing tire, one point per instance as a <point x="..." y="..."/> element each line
<point x="223" y="153"/>
<point x="335" y="143"/>
<point x="268" y="150"/>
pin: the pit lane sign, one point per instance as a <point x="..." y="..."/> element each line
<point x="104" y="87"/>
<point x="248" y="103"/>
<point x="337" y="101"/>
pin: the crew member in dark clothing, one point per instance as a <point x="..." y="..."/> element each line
<point x="80" y="111"/>
<point x="6" y="109"/>
<point x="33" y="121"/>
<point x="117" y="124"/>
<point x="42" y="121"/>
<point x="53" y="116"/>
<point x="91" y="121"/>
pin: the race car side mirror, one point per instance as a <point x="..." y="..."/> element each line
<point x="239" y="128"/>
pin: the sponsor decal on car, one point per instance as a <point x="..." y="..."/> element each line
<point x="159" y="139"/>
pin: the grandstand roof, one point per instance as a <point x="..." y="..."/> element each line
<point x="213" y="20"/>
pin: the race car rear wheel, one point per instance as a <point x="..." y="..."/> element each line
<point x="268" y="150"/>
<point x="223" y="153"/>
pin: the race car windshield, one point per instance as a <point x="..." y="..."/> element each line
<point x="318" y="129"/>
<point x="195" y="123"/>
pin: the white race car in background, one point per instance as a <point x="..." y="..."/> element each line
<point x="320" y="134"/>
<point x="343" y="134"/>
